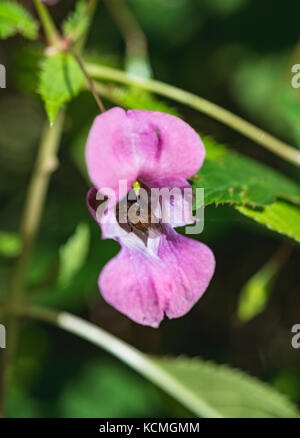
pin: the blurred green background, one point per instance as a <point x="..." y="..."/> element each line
<point x="236" y="53"/>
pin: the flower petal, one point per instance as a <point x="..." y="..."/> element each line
<point x="172" y="200"/>
<point x="145" y="287"/>
<point x="141" y="145"/>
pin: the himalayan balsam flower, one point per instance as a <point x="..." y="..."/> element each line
<point x="165" y="273"/>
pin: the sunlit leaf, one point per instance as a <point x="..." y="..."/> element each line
<point x="255" y="294"/>
<point x="77" y="22"/>
<point x="25" y="62"/>
<point x="224" y="392"/>
<point x="252" y="188"/>
<point x="73" y="254"/>
<point x="10" y="244"/>
<point x="139" y="99"/>
<point x="229" y="177"/>
<point x="14" y="19"/>
<point x="61" y="79"/>
<point x="280" y="216"/>
<point x="206" y="389"/>
<point x="287" y="381"/>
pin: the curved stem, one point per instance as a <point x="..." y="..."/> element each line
<point x="50" y="30"/>
<point x="35" y="200"/>
<point x="261" y="137"/>
<point x="137" y="360"/>
<point x="135" y="40"/>
<point x="89" y="81"/>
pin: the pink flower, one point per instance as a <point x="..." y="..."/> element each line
<point x="158" y="271"/>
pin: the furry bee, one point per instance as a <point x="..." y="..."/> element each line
<point x="134" y="216"/>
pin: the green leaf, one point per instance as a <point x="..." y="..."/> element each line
<point x="136" y="98"/>
<point x="25" y="62"/>
<point x="206" y="389"/>
<point x="73" y="254"/>
<point x="287" y="381"/>
<point x="77" y="22"/>
<point x="282" y="217"/>
<point x="60" y="80"/>
<point x="255" y="294"/>
<point x="10" y="244"/>
<point x="229" y="177"/>
<point x="78" y="150"/>
<point x="15" y="19"/>
<point x="220" y="391"/>
<point x="254" y="189"/>
<point x="106" y="388"/>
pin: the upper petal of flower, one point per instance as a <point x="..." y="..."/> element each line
<point x="143" y="145"/>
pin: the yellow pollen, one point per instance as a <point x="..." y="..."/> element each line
<point x="136" y="187"/>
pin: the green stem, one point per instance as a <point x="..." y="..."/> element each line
<point x="50" y="30"/>
<point x="76" y="52"/>
<point x="89" y="81"/>
<point x="134" y="358"/>
<point x="35" y="200"/>
<point x="133" y="35"/>
<point x="261" y="137"/>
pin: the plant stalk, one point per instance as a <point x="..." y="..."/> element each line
<point x="133" y="35"/>
<point x="89" y="81"/>
<point x="134" y="358"/>
<point x="46" y="163"/>
<point x="50" y="30"/>
<point x="261" y="137"/>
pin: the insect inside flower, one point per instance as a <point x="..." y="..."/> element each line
<point x="158" y="271"/>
